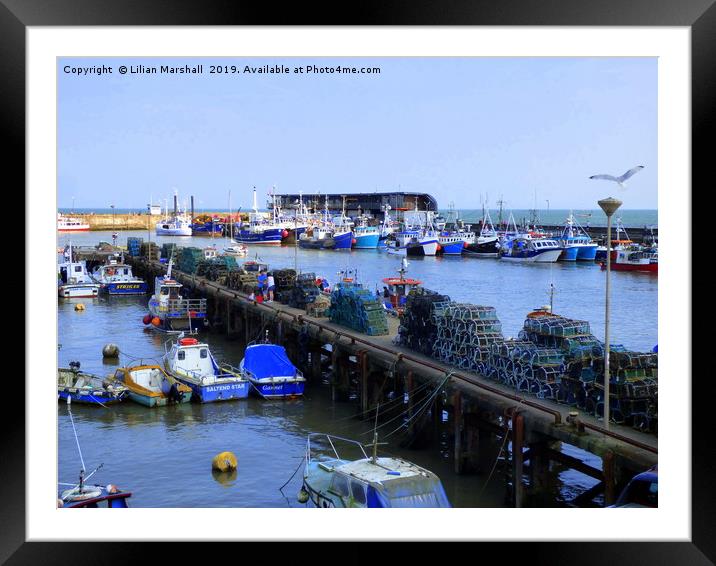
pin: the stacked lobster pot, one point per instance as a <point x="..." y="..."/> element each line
<point x="303" y="293"/>
<point x="580" y="350"/>
<point x="168" y="250"/>
<point x="633" y="388"/>
<point x="417" y="329"/>
<point x="465" y="334"/>
<point x="189" y="259"/>
<point x="217" y="269"/>
<point x="134" y="246"/>
<point x="285" y="281"/>
<point x="150" y="250"/>
<point x="242" y="280"/>
<point x="358" y="308"/>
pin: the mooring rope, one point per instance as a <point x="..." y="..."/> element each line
<point x="77" y="440"/>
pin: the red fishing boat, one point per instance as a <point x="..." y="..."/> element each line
<point x="400" y="286"/>
<point x="634" y="259"/>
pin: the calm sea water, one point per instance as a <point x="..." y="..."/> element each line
<point x="164" y="455"/>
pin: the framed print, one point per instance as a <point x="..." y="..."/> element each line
<point x="478" y="383"/>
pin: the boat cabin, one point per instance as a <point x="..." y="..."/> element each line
<point x="192" y="359"/>
<point x="166" y="290"/>
<point x="74" y="272"/>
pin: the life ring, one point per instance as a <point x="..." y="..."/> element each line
<point x="188" y="341"/>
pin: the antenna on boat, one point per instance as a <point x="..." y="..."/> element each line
<point x="375" y="443"/>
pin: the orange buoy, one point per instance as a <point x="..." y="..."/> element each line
<point x="156" y="321"/>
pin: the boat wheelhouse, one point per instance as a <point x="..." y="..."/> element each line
<point x="634" y="258"/>
<point x="399" y="287"/>
<point x="192" y="363"/>
<point x="169" y="311"/>
<point x="116" y="278"/>
<point x="331" y="480"/>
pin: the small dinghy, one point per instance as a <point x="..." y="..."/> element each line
<point x="151" y="386"/>
<point x="76" y="386"/>
<point x="88" y="496"/>
<point x="271" y="373"/>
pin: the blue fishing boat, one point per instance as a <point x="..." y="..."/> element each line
<point x="192" y="363"/>
<point x="75" y="386"/>
<point x="331" y="480"/>
<point x="524" y="248"/>
<point x="271" y="373"/>
<point x="575" y="243"/>
<point x="366" y="236"/>
<point x="259" y="229"/>
<point x="169" y="311"/>
<point x="116" y="278"/>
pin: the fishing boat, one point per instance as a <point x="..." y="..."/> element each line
<point x="68" y="224"/>
<point x="365" y="236"/>
<point x="526" y="249"/>
<point x="317" y="238"/>
<point x="271" y="373"/>
<point x="259" y="230"/>
<point x="575" y="243"/>
<point x="82" y="494"/>
<point x="77" y="386"/>
<point x="342" y="230"/>
<point x="487" y="243"/>
<point x="169" y="311"/>
<point x="151" y="386"/>
<point x="116" y="278"/>
<point x="73" y="280"/>
<point x="206" y="225"/>
<point x="634" y="258"/>
<point x="92" y="496"/>
<point x="332" y="480"/>
<point x="619" y="243"/>
<point x="399" y="287"/>
<point x="175" y="225"/>
<point x="192" y="363"/>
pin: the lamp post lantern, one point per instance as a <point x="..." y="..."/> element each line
<point x="609" y="206"/>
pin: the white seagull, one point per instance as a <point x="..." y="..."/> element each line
<point x="621" y="181"/>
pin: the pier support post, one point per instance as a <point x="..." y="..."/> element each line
<point x="411" y="402"/>
<point x="364" y="376"/>
<point x="457" y="431"/>
<point x="518" y="436"/>
<point x="316" y="361"/>
<point x="539" y="466"/>
<point x="248" y="323"/>
<point x="609" y="480"/>
<point x="472" y="443"/>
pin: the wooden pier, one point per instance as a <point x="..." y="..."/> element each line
<point x="476" y="405"/>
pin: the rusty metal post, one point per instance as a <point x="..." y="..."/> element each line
<point x="609" y="481"/>
<point x="316" y="360"/>
<point x="457" y="430"/>
<point x="364" y="374"/>
<point x="247" y="326"/>
<point x="518" y="437"/>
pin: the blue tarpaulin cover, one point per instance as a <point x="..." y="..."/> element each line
<point x="268" y="360"/>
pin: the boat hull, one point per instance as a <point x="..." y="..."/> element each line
<point x="78" y="291"/>
<point x="644" y="268"/>
<point x="128" y="288"/>
<point x="587" y="253"/>
<point x="218" y="391"/>
<point x="278" y="390"/>
<point x="343" y="241"/>
<point x="89" y="397"/>
<point x="270" y="237"/>
<point x="310" y="244"/>
<point x="452" y="248"/>
<point x="186" y="231"/>
<point x="429" y="248"/>
<point x="569" y="254"/>
<point x="366" y="241"/>
<point x="486" y="250"/>
<point x="546" y="256"/>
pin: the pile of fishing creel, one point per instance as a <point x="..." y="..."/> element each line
<point x="189" y="259"/>
<point x="303" y="293"/>
<point x="358" y="308"/>
<point x="134" y="246"/>
<point x="418" y="330"/>
<point x="150" y="250"/>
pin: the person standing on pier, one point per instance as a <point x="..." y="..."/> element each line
<point x="271" y="287"/>
<point x="262" y="280"/>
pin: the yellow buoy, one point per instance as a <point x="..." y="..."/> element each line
<point x="224" y="462"/>
<point x="79" y="307"/>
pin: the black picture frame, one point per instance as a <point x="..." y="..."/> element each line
<point x="699" y="15"/>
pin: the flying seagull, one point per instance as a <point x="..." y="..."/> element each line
<point x="621" y="181"/>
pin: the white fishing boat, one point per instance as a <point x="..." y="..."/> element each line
<point x="73" y="280"/>
<point x="176" y="225"/>
<point x="524" y="248"/>
<point x="116" y="278"/>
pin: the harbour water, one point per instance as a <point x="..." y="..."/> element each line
<point x="163" y="455"/>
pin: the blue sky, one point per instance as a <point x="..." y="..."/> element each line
<point x="458" y="128"/>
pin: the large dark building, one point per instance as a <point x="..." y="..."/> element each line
<point x="357" y="203"/>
